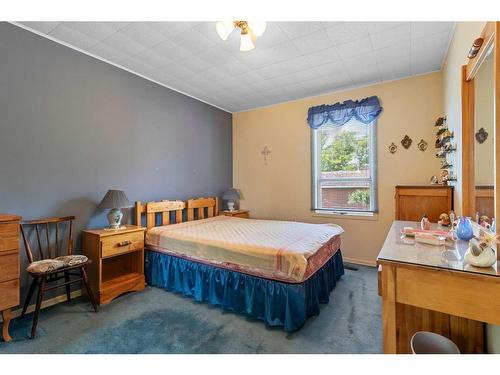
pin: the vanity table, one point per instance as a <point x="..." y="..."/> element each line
<point x="425" y="287"/>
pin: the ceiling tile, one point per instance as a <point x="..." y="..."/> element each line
<point x="355" y="48"/>
<point x="291" y="60"/>
<point x="143" y="33"/>
<point x="376" y="27"/>
<point x="43" y="27"/>
<point x="420" y="29"/>
<point x="73" y="37"/>
<point x="316" y="41"/>
<point x="298" y="29"/>
<point x="273" y="36"/>
<point x="388" y="37"/>
<point x="170" y="50"/>
<point x="345" y="32"/>
<point x="95" y="30"/>
<point x="124" y="44"/>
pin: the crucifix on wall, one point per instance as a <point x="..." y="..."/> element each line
<point x="265" y="152"/>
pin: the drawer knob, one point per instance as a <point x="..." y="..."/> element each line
<point x="125" y="243"/>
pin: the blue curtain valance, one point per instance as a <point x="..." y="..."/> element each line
<point x="365" y="110"/>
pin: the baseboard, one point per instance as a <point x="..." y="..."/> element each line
<point x="50" y="302"/>
<point x="360" y="262"/>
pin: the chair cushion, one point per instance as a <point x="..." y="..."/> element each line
<point x="49" y="265"/>
<point x="72" y="260"/>
<point x="45" y="265"/>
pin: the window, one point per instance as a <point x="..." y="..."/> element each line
<point x="344" y="167"/>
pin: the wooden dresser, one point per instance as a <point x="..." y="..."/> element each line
<point x="412" y="202"/>
<point x="117" y="261"/>
<point x="9" y="268"/>
<point x="432" y="288"/>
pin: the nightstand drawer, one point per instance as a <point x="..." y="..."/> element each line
<point x="120" y="244"/>
<point x="9" y="266"/>
<point x="9" y="236"/>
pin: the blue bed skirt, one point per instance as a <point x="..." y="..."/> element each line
<point x="276" y="303"/>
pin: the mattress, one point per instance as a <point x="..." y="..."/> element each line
<point x="279" y="250"/>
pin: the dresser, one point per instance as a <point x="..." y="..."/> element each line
<point x="117" y="261"/>
<point x="9" y="268"/>
<point x="431" y="288"/>
<point x="412" y="202"/>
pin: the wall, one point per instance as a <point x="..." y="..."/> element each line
<point x="282" y="188"/>
<point x="464" y="35"/>
<point x="484" y="110"/>
<point x="73" y="127"/>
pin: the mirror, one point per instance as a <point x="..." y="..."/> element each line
<point x="484" y="134"/>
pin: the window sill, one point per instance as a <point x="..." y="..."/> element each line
<point x="369" y="216"/>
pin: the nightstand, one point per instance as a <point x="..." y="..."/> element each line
<point x="245" y="214"/>
<point x="117" y="261"/>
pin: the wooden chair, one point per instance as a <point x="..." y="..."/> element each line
<point x="51" y="265"/>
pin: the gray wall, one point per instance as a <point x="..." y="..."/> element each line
<point x="72" y="127"/>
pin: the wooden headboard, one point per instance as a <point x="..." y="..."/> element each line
<point x="161" y="211"/>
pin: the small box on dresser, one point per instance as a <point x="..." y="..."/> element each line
<point x="117" y="261"/>
<point x="9" y="268"/>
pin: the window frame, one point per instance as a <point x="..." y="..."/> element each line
<point x="316" y="180"/>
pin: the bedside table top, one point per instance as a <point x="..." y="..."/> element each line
<point x="114" y="232"/>
<point x="235" y="212"/>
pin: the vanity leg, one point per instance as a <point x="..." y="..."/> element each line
<point x="389" y="309"/>
<point x="6" y="316"/>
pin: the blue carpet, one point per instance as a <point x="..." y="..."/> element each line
<point x="157" y="321"/>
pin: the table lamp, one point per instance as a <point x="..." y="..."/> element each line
<point x="114" y="200"/>
<point x="231" y="196"/>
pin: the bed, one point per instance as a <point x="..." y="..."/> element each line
<point x="275" y="271"/>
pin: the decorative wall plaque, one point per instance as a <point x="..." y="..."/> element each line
<point x="406" y="142"/>
<point x="393" y="148"/>
<point x="422" y="145"/>
<point x="481" y="135"/>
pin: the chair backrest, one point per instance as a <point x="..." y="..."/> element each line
<point x="50" y="236"/>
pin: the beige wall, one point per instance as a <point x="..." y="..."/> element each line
<point x="282" y="188"/>
<point x="464" y="35"/>
<point x="484" y="110"/>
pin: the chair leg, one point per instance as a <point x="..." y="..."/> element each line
<point x="68" y="287"/>
<point x="41" y="286"/>
<point x="28" y="297"/>
<point x="89" y="291"/>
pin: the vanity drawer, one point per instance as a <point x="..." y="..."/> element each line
<point x="9" y="294"/>
<point x="9" y="266"/>
<point x="9" y="236"/>
<point x="115" y="245"/>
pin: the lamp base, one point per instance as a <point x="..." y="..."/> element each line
<point x="230" y="206"/>
<point x="115" y="218"/>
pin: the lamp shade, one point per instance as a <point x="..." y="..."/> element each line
<point x="231" y="195"/>
<point x="115" y="199"/>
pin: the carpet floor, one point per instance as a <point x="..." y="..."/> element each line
<point x="157" y="321"/>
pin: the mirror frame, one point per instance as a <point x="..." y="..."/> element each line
<point x="490" y="35"/>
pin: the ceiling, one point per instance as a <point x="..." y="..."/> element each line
<point x="292" y="60"/>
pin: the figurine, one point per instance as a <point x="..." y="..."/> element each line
<point x="434" y="180"/>
<point x="480" y="252"/>
<point x="484" y="221"/>
<point x="444" y="220"/>
<point x="425" y="224"/>
<point x="452" y="216"/>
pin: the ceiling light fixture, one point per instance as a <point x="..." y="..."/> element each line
<point x="249" y="31"/>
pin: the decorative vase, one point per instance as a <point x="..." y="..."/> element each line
<point x="486" y="258"/>
<point x="464" y="228"/>
<point x="115" y="218"/>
